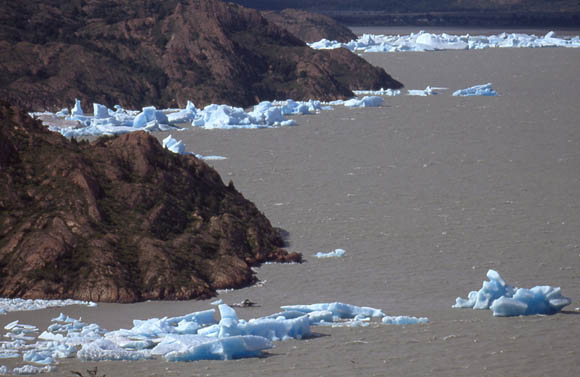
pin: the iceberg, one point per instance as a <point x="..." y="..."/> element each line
<point x="367" y="101"/>
<point x="428" y="91"/>
<point x="234" y="347"/>
<point x="194" y="336"/>
<point x="423" y="41"/>
<point x="505" y="300"/>
<point x="18" y="304"/>
<point x="380" y="92"/>
<point x="477" y="90"/>
<point x="104" y="349"/>
<point x="338" y="310"/>
<point x="404" y="320"/>
<point x="30" y="369"/>
<point x="331" y="254"/>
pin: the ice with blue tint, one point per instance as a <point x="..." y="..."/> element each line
<point x="477" y="90"/>
<point x="19" y="304"/>
<point x="428" y="91"/>
<point x="77" y="109"/>
<point x="230" y="348"/>
<point x="174" y="145"/>
<point x="366" y="101"/>
<point x="505" y="300"/>
<point x="337" y="253"/>
<point x="338" y="309"/>
<point x="104" y="349"/>
<point x="190" y="337"/>
<point x="423" y="41"/>
<point x="30" y="369"/>
<point x="380" y="92"/>
<point x="150" y="115"/>
<point x="404" y="320"/>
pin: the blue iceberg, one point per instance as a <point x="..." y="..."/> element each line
<point x="505" y="300"/>
<point x="477" y="90"/>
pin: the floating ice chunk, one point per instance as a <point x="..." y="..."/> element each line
<point x="104" y="349"/>
<point x="230" y="348"/>
<point x="337" y="253"/>
<point x="505" y="300"/>
<point x="477" y="90"/>
<point x="381" y="92"/>
<point x="9" y="354"/>
<point x="148" y="115"/>
<point x="77" y="109"/>
<point x="183" y="116"/>
<point x="38" y="357"/>
<point x="367" y="101"/>
<point x="3" y="369"/>
<point x="172" y="343"/>
<point x="100" y="111"/>
<point x="404" y="320"/>
<point x="29" y="369"/>
<point x="338" y="309"/>
<point x="278" y="329"/>
<point x="428" y="91"/>
<point x="430" y="42"/>
<point x="217" y="302"/>
<point x="174" y="145"/>
<point x="18" y="304"/>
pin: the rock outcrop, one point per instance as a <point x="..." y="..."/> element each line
<point x="310" y="27"/>
<point x="163" y="53"/>
<point x="120" y="220"/>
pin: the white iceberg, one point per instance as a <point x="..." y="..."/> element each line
<point x="367" y="101"/>
<point x="477" y="90"/>
<point x="19" y="304"/>
<point x="423" y="41"/>
<point x="404" y="320"/>
<point x="505" y="300"/>
<point x="337" y="253"/>
<point x="428" y="91"/>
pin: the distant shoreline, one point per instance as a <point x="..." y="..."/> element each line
<point x="462" y="19"/>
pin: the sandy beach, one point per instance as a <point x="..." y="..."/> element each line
<point x="425" y="194"/>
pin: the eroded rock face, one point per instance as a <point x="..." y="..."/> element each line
<point x="310" y="27"/>
<point x="163" y="53"/>
<point x="120" y="220"/>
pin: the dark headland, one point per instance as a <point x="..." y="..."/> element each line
<point x="164" y="53"/>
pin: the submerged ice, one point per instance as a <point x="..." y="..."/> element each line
<point x="423" y="41"/>
<point x="191" y="337"/>
<point x="505" y="300"/>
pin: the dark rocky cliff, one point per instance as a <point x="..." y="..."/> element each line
<point x="120" y="220"/>
<point x="163" y="53"/>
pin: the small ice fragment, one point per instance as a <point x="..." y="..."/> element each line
<point x="337" y="253"/>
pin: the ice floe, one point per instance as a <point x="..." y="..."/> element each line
<point x="18" y="304"/>
<point x="404" y="320"/>
<point x="331" y="254"/>
<point x="195" y="336"/>
<point x="423" y="41"/>
<point x="477" y="90"/>
<point x="428" y="91"/>
<point x="505" y="300"/>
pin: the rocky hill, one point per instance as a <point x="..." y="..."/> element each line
<point x="310" y="27"/>
<point x="163" y="53"/>
<point x="119" y="220"/>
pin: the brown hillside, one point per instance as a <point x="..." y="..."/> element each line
<point x="120" y="220"/>
<point x="310" y="27"/>
<point x="163" y="53"/>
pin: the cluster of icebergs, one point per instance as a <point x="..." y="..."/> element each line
<point x="431" y="42"/>
<point x="19" y="304"/>
<point x="504" y="300"/>
<point x="195" y="336"/>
